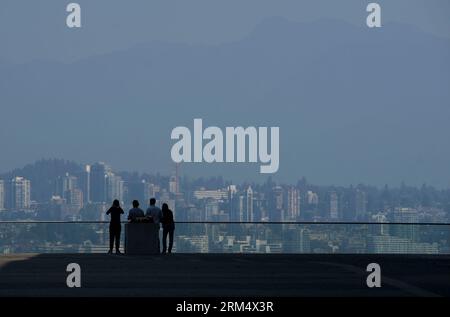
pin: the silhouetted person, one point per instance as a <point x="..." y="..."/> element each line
<point x="168" y="227"/>
<point x="114" y="226"/>
<point x="135" y="212"/>
<point x="154" y="212"/>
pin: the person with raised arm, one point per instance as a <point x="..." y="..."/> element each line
<point x="115" y="226"/>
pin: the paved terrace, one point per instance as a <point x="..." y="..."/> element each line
<point x="224" y="275"/>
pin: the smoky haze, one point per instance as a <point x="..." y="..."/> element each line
<point x="353" y="104"/>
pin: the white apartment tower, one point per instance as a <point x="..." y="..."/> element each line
<point x="20" y="193"/>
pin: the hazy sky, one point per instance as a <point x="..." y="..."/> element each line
<point x="353" y="104"/>
<point x="36" y="29"/>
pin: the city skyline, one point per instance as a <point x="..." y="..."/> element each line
<point x="214" y="216"/>
<point x="170" y="170"/>
<point x="64" y="190"/>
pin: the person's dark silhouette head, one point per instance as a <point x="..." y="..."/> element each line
<point x="116" y="203"/>
<point x="135" y="204"/>
<point x="152" y="201"/>
<point x="165" y="207"/>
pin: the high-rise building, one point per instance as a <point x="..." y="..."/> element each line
<point x="334" y="206"/>
<point x="20" y="193"/>
<point x="84" y="183"/>
<point x="174" y="181"/>
<point x="296" y="240"/>
<point x="217" y="194"/>
<point x="150" y="191"/>
<point x="278" y="197"/>
<point x="249" y="212"/>
<point x="164" y="197"/>
<point x="180" y="207"/>
<point x="98" y="182"/>
<point x="406" y="215"/>
<point x="211" y="210"/>
<point x="66" y="183"/>
<point x="276" y="205"/>
<point x="74" y="199"/>
<point x="293" y="203"/>
<point x="312" y="197"/>
<point x="173" y="184"/>
<point x="241" y="208"/>
<point x="260" y="206"/>
<point x="232" y="203"/>
<point x="2" y="195"/>
<point x="114" y="187"/>
<point x="138" y="190"/>
<point x="360" y="204"/>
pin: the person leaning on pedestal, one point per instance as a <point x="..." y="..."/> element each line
<point x="154" y="212"/>
<point x="135" y="213"/>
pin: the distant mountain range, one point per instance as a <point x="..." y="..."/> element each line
<point x="353" y="104"/>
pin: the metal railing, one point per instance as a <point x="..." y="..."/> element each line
<point x="237" y="237"/>
<point x="244" y="222"/>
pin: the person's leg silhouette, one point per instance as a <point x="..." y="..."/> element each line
<point x="118" y="240"/>
<point x="171" y="231"/>
<point x="111" y="239"/>
<point x="165" y="232"/>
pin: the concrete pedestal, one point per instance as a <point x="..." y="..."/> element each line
<point x="141" y="238"/>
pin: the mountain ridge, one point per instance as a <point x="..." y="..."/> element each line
<point x="351" y="107"/>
